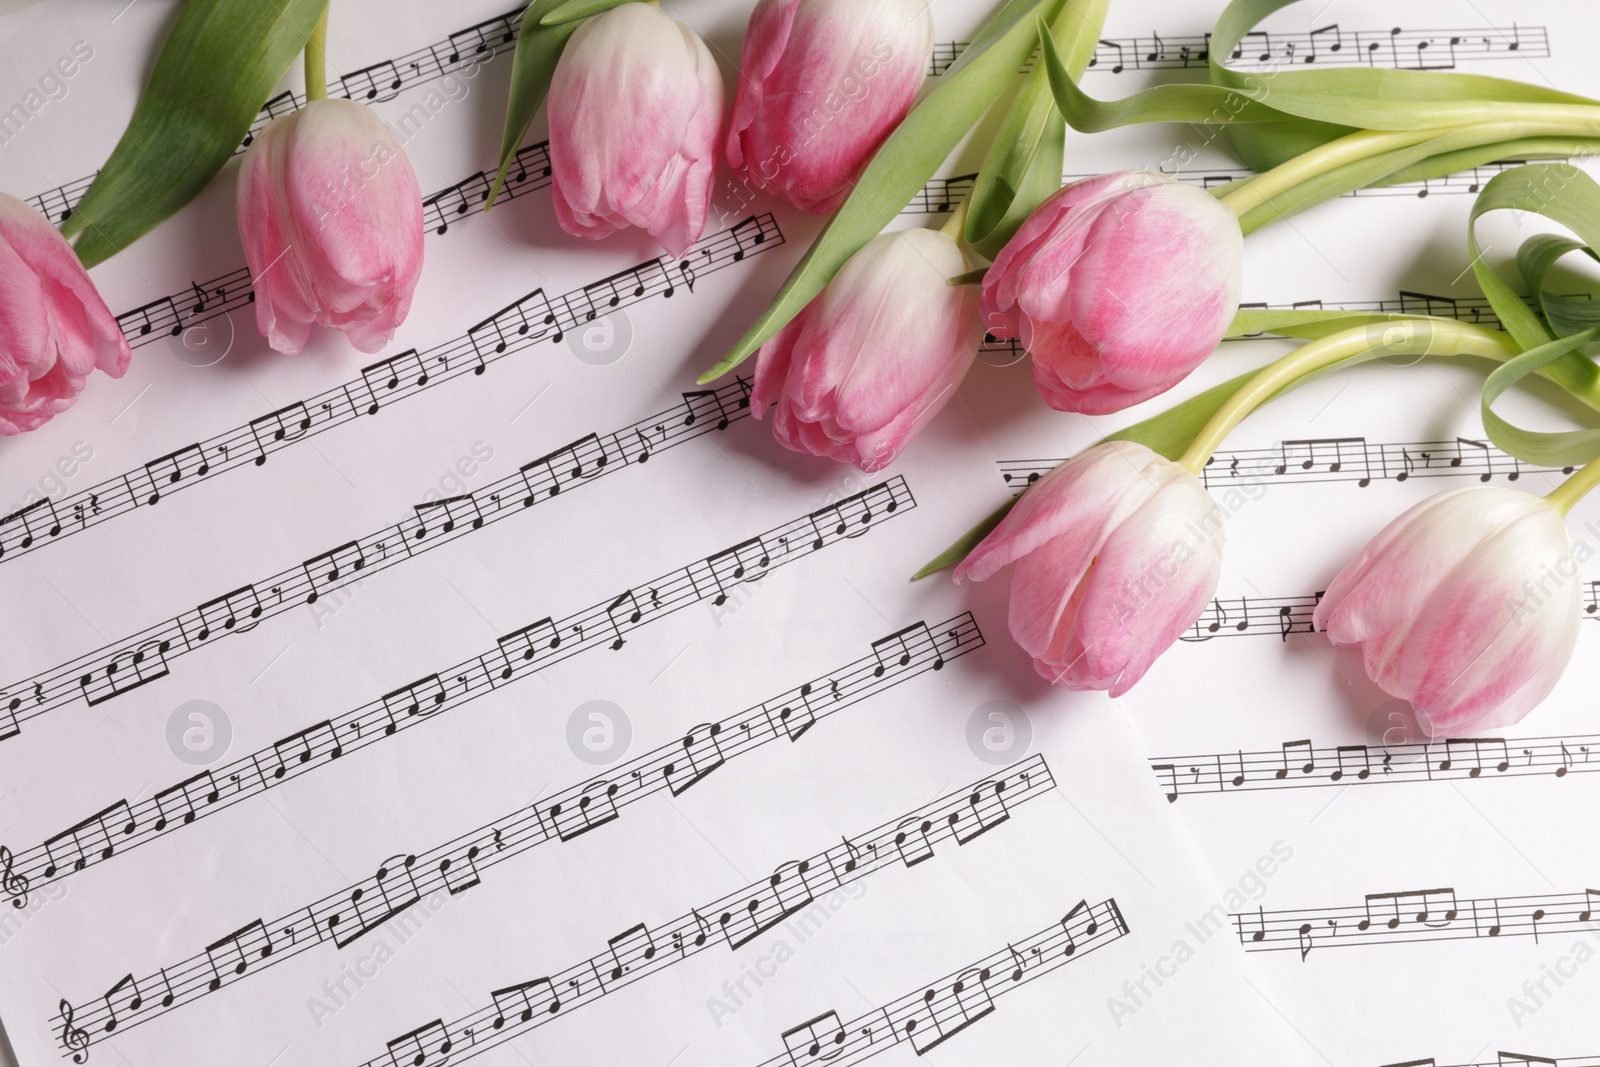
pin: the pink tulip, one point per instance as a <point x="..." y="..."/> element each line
<point x="1467" y="606"/>
<point x="331" y="220"/>
<point x="1118" y="552"/>
<point x="54" y="328"/>
<point x="332" y="223"/>
<point x="822" y="83"/>
<point x="1118" y="287"/>
<point x="635" y="117"/>
<point x="875" y="356"/>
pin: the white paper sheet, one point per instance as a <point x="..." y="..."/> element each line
<point x="686" y="623"/>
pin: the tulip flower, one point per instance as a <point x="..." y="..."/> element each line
<point x="822" y="83"/>
<point x="1118" y="286"/>
<point x="875" y="355"/>
<point x="635" y="109"/>
<point x="54" y="328"/>
<point x="1118" y="551"/>
<point x="331" y="220"/>
<point x="1467" y="606"/>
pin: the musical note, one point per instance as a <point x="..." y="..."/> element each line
<point x="39" y="516"/>
<point x="381" y="81"/>
<point x="327" y="570"/>
<point x="237" y="948"/>
<point x="172" y="468"/>
<point x="125" y="671"/>
<point x="391" y="891"/>
<point x="429" y="1043"/>
<point x="228" y="611"/>
<point x="201" y="786"/>
<point x="301" y="747"/>
<point x="701" y="756"/>
<point x="286" y="424"/>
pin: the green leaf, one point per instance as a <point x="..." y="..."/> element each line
<point x="1024" y="162"/>
<point x="1571" y="448"/>
<point x="1201" y="104"/>
<point x="968" y="541"/>
<point x="1370" y="97"/>
<point x="1422" y="153"/>
<point x="574" y="10"/>
<point x="1560" y="192"/>
<point x="1264" y="145"/>
<point x="532" y="66"/>
<point x="1563" y="194"/>
<point x="215" y="71"/>
<point x="904" y="163"/>
<point x="1520" y="150"/>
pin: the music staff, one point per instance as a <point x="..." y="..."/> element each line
<point x="1417" y="915"/>
<point x="1511" y="1059"/>
<point x="1302" y="765"/>
<point x="122" y="666"/>
<point x="731" y="921"/>
<point x="1332" y="459"/>
<point x="933" y="1015"/>
<point x="463" y="50"/>
<point x="126" y="825"/>
<point x="536" y="317"/>
<point x="1329" y="46"/>
<point x="940" y="195"/>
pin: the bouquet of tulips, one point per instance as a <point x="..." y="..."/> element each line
<point x="1116" y="287"/>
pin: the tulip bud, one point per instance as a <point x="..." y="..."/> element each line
<point x="821" y="84"/>
<point x="1467" y="606"/>
<point x="1118" y="552"/>
<point x="331" y="220"/>
<point x="1118" y="286"/>
<point x="635" y="110"/>
<point x="54" y="328"/>
<point x="875" y="355"/>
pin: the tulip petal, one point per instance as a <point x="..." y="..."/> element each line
<point x="1387" y="583"/>
<point x="1150" y="581"/>
<point x="1158" y="283"/>
<point x="1084" y="497"/>
<point x="1502" y="625"/>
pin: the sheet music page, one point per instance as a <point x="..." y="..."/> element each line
<point x="1440" y="907"/>
<point x="389" y="710"/>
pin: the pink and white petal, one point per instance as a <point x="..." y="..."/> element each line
<point x="1083" y="497"/>
<point x="1389" y="580"/>
<point x="1151" y="580"/>
<point x="1158" y="283"/>
<point x="765" y="39"/>
<point x="1480" y="639"/>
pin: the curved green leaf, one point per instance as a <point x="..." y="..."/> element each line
<point x="214" y="73"/>
<point x="1369" y="97"/>
<point x="1566" y="315"/>
<point x="904" y="163"/>
<point x="1202" y="104"/>
<point x="1521" y="150"/>
<point x="1024" y="162"/>
<point x="1566" y="449"/>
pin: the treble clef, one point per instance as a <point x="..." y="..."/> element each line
<point x="75" y="1038"/>
<point x="15" y="885"/>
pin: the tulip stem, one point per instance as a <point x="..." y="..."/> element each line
<point x="955" y="226"/>
<point x="1576" y="487"/>
<point x="317" y="58"/>
<point x="1258" y="191"/>
<point x="1415" y="337"/>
